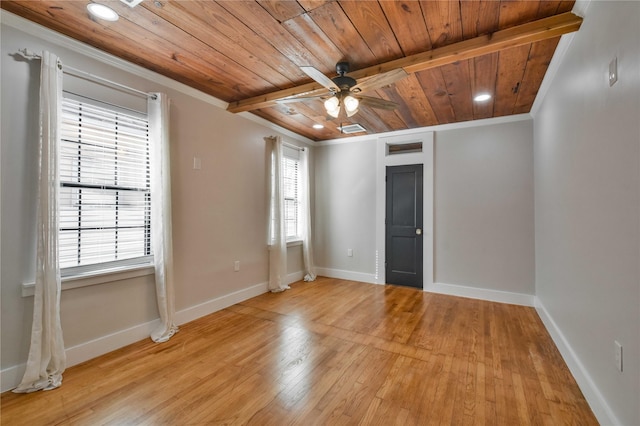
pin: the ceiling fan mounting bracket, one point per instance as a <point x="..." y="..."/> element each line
<point x="344" y="82"/>
<point x="342" y="68"/>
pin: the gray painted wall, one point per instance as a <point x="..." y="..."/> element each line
<point x="587" y="204"/>
<point x="483" y="206"/>
<point x="219" y="211"/>
<point x="345" y="206"/>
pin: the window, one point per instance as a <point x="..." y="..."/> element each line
<point x="291" y="193"/>
<point x="291" y="182"/>
<point x="105" y="199"/>
<point x="404" y="148"/>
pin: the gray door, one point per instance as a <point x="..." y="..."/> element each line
<point x="403" y="226"/>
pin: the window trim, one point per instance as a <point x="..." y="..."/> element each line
<point x="77" y="272"/>
<point x="294" y="241"/>
<point x="97" y="277"/>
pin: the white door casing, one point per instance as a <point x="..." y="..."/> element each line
<point x="384" y="159"/>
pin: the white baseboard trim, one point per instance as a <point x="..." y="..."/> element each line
<point x="219" y="303"/>
<point x="346" y="275"/>
<point x="295" y="277"/>
<point x="592" y="394"/>
<point x="105" y="344"/>
<point x="482" y="294"/>
<point x="214" y="305"/>
<point x="11" y="377"/>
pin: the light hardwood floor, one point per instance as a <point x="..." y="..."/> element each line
<point x="328" y="352"/>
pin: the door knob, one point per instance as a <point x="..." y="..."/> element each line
<point x="418" y="231"/>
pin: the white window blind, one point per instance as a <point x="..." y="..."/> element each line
<point x="290" y="176"/>
<point x="105" y="199"/>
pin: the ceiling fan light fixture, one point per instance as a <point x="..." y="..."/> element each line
<point x="103" y="12"/>
<point x="351" y="105"/>
<point x="344" y="97"/>
<point x="332" y="105"/>
<point x="334" y="113"/>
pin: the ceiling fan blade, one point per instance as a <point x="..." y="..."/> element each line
<point x="377" y="103"/>
<point x="380" y="80"/>
<point x="320" y="78"/>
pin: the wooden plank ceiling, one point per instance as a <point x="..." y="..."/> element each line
<point x="245" y="51"/>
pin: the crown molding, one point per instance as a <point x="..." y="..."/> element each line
<point x="579" y="8"/>
<point x="437" y="128"/>
<point x="37" y="30"/>
<point x="273" y="126"/>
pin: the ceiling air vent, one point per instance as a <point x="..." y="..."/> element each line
<point x="351" y="128"/>
<point x="131" y="3"/>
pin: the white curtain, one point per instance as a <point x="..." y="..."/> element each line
<point x="47" y="359"/>
<point x="277" y="233"/>
<point x="158" y="110"/>
<point x="305" y="195"/>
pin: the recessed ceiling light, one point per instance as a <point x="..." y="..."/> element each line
<point x="101" y="11"/>
<point x="318" y="126"/>
<point x="482" y="97"/>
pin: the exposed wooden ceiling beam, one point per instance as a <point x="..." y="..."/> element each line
<point x="541" y="29"/>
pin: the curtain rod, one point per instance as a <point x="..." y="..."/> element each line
<point x="91" y="77"/>
<point x="299" y="148"/>
<point x="292" y="146"/>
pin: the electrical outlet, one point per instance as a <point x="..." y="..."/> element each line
<point x="618" y="348"/>
<point x="236" y="265"/>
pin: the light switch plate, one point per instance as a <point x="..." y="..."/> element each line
<point x="618" y="348"/>
<point x="613" y="71"/>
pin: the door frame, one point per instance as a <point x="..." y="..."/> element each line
<point x="383" y="159"/>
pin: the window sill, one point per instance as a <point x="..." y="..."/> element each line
<point x="97" y="277"/>
<point x="294" y="243"/>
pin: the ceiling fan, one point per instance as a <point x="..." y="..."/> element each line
<point x="345" y="91"/>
